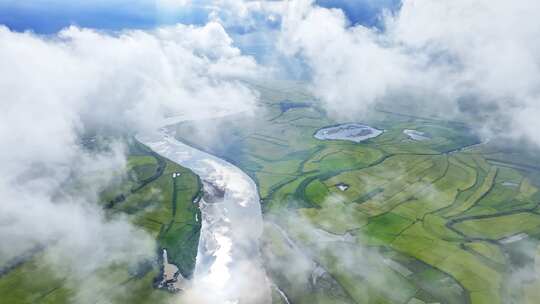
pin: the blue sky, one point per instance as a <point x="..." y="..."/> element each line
<point x="364" y="12"/>
<point x="49" y="16"/>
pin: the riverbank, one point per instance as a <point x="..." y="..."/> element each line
<point x="228" y="261"/>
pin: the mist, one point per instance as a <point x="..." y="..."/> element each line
<point x="59" y="88"/>
<point x="476" y="61"/>
<point x="453" y="57"/>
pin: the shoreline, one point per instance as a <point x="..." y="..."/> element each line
<point x="231" y="218"/>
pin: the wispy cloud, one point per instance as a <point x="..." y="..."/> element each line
<point x="457" y="55"/>
<point x="59" y="87"/>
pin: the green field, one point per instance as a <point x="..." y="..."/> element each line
<point x="153" y="200"/>
<point x="443" y="220"/>
<point x="420" y="222"/>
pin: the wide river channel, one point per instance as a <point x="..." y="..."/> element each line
<point x="228" y="267"/>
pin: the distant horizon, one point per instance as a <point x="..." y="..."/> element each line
<point x="50" y="16"/>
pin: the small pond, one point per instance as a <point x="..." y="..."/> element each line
<point x="354" y="132"/>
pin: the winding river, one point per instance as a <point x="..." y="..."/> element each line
<point x="228" y="267"/>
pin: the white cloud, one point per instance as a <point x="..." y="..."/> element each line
<point x="249" y="15"/>
<point x="57" y="87"/>
<point x="442" y="50"/>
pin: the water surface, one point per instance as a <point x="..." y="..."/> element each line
<point x="228" y="267"/>
<point x="354" y="132"/>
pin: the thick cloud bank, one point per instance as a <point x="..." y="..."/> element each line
<point x="461" y="55"/>
<point x="55" y="88"/>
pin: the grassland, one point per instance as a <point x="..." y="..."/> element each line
<point x="154" y="201"/>
<point x="434" y="221"/>
<point x="429" y="216"/>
